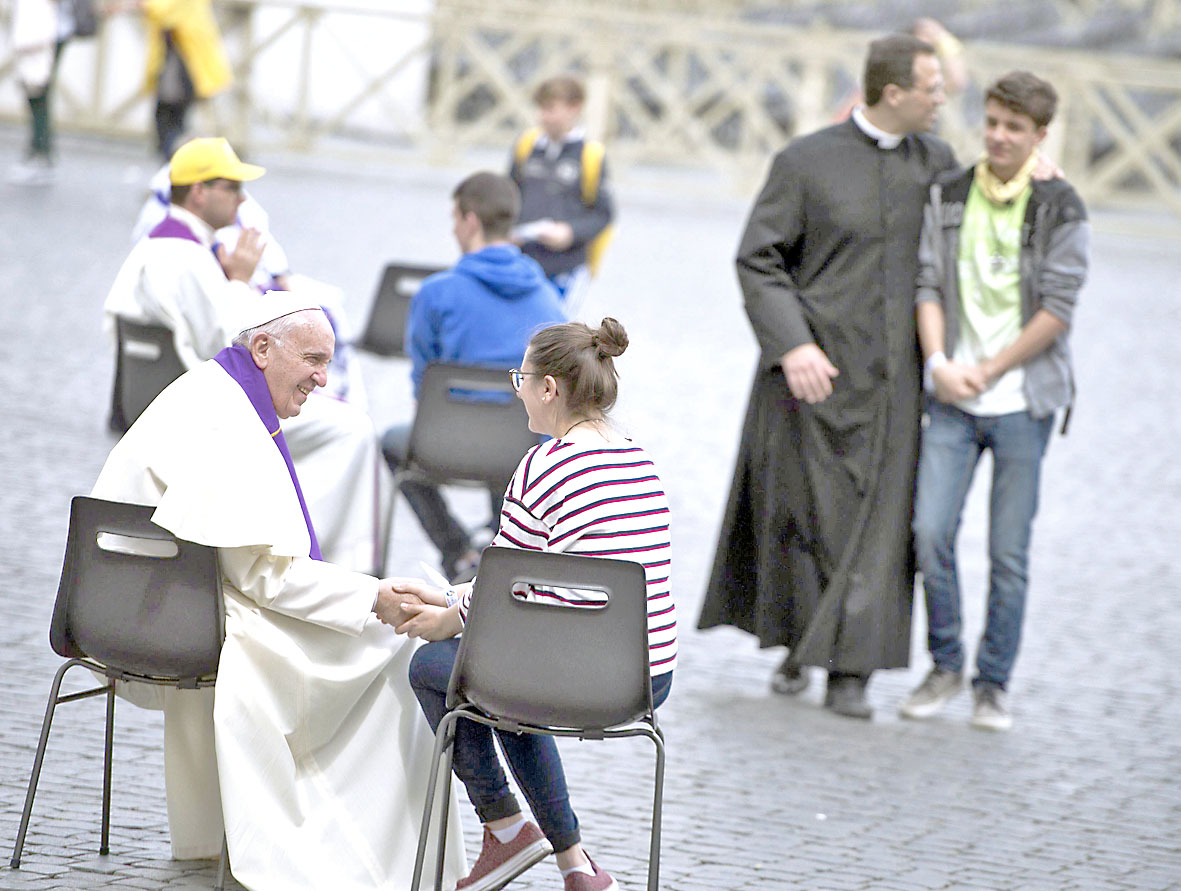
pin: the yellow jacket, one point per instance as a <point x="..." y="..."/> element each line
<point x="196" y="38"/>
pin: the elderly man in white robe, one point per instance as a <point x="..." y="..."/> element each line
<point x="311" y="744"/>
<point x="177" y="276"/>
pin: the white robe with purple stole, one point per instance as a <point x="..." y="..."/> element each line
<point x="174" y="280"/>
<point x="322" y="752"/>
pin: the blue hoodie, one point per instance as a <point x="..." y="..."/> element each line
<point x="482" y="311"/>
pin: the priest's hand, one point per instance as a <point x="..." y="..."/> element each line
<point x="240" y="265"/>
<point x="954" y="382"/>
<point x="391" y="603"/>
<point x="424" y="591"/>
<point x="431" y="622"/>
<point x="809" y="373"/>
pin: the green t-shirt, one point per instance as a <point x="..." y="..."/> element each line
<point x="989" y="267"/>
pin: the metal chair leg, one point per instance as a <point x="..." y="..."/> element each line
<point x="444" y="812"/>
<point x="444" y="736"/>
<point x="104" y="847"/>
<point x="55" y="698"/>
<point x="657" y="812"/>
<point x="221" y="865"/>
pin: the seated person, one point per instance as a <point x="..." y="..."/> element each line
<point x="568" y="383"/>
<point x="479" y="312"/>
<point x="273" y="273"/>
<point x="309" y="745"/>
<point x="179" y="277"/>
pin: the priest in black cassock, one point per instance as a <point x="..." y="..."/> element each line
<point x="815" y="549"/>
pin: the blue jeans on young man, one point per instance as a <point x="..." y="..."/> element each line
<point x="533" y="759"/>
<point x="445" y="532"/>
<point x="951" y="448"/>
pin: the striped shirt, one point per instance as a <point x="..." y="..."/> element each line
<point x="602" y="501"/>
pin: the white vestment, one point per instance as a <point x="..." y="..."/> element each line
<point x="178" y="283"/>
<point x="322" y="752"/>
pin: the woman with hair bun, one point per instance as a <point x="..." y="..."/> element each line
<point x="591" y="491"/>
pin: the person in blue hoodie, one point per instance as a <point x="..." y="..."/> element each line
<point x="482" y="311"/>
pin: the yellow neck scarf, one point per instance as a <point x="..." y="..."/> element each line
<point x="998" y="192"/>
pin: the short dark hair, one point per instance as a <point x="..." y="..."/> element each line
<point x="562" y="88"/>
<point x="891" y="61"/>
<point x="1025" y="93"/>
<point x="582" y="357"/>
<point x="180" y="194"/>
<point x="493" y="198"/>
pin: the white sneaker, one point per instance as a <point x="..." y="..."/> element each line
<point x="991" y="710"/>
<point x="938" y="688"/>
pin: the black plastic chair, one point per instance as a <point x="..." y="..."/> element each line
<point x="134" y="603"/>
<point x="583" y="673"/>
<point x="145" y="363"/>
<point x="385" y="331"/>
<point x="469" y="429"/>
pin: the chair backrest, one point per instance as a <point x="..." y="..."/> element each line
<point x="145" y="363"/>
<point x="469" y="425"/>
<point x="563" y="666"/>
<point x="385" y="332"/>
<point x="136" y="598"/>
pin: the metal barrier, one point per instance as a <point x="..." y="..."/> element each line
<point x="667" y="89"/>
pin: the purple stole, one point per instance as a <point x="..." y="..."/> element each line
<point x="169" y="227"/>
<point x="239" y="364"/>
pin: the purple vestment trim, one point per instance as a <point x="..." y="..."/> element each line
<point x="170" y="227"/>
<point x="239" y="364"/>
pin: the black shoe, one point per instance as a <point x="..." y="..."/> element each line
<point x="846" y="696"/>
<point x="789" y="679"/>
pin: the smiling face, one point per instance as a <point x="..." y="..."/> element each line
<point x="1010" y="137"/>
<point x="538" y="392"/>
<point x="297" y="363"/>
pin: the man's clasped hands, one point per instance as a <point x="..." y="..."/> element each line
<point x="417" y="609"/>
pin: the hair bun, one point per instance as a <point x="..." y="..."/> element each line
<point x="609" y="340"/>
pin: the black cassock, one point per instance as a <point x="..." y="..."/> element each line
<point x="815" y="548"/>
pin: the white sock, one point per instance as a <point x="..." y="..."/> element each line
<point x="584" y="868"/>
<point x="506" y="835"/>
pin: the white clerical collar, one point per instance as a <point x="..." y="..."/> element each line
<point x="884" y="140"/>
<point x="201" y="229"/>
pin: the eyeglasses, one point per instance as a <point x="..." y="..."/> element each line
<point x="230" y="185"/>
<point x="518" y="377"/>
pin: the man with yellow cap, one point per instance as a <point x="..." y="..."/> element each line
<point x="180" y="277"/>
<point x="311" y="744"/>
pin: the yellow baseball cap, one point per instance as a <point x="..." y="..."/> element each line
<point x="206" y="158"/>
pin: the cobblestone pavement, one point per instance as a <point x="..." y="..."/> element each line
<point x="762" y="792"/>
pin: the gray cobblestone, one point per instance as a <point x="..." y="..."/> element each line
<point x="1083" y="792"/>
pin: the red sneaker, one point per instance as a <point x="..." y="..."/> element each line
<point x="600" y="881"/>
<point x="498" y="864"/>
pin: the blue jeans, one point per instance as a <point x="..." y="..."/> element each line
<point x="533" y="759"/>
<point x="951" y="447"/>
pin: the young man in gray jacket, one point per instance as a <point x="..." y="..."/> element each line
<point x="1002" y="259"/>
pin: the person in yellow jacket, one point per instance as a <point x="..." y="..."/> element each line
<point x="186" y="61"/>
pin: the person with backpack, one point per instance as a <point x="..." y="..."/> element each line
<point x="566" y="206"/>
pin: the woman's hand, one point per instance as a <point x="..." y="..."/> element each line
<point x="430" y="622"/>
